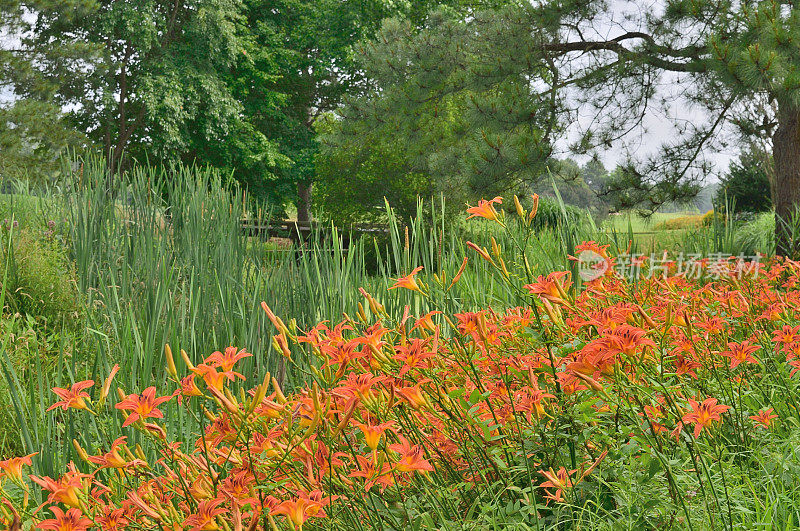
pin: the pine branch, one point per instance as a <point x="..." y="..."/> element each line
<point x="652" y="54"/>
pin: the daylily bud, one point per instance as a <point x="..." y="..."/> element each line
<point x="345" y="420"/>
<point x="594" y="384"/>
<point x="520" y="210"/>
<point x="279" y="343"/>
<point x="481" y="251"/>
<point x="171" y="369"/>
<point x="107" y="385"/>
<point x="80" y="451"/>
<point x="376" y="307"/>
<point x="460" y="272"/>
<point x="534" y="208"/>
<point x="279" y="396"/>
<point x="156" y="430"/>
<point x="483" y="330"/>
<point x="503" y="267"/>
<point x="552" y="312"/>
<point x="647" y="318"/>
<point x="260" y="394"/>
<point x="495" y="247"/>
<point x="186" y="360"/>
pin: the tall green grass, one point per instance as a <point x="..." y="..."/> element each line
<point x="160" y="258"/>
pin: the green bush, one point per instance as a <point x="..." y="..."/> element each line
<point x="757" y="235"/>
<point x="41" y="278"/>
<point x="747" y="183"/>
<point x="28" y="209"/>
<point x="550" y="214"/>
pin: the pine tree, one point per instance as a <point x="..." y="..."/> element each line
<point x="521" y="75"/>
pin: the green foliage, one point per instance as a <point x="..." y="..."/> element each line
<point x="355" y="184"/>
<point x="757" y="235"/>
<point x="478" y="101"/>
<point x="41" y="280"/>
<point x="32" y="347"/>
<point x="460" y="111"/>
<point x="312" y="43"/>
<point x="159" y="82"/>
<point x="747" y="183"/>
<point x="579" y="186"/>
<point x="33" y="131"/>
<point x="553" y="213"/>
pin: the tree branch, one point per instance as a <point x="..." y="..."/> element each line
<point x="653" y="54"/>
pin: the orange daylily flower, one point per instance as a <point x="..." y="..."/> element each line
<point x="113" y="520"/>
<point x="412" y="356"/>
<point x="787" y="337"/>
<point x="204" y="519"/>
<point x="136" y="501"/>
<point x="367" y="470"/>
<point x="629" y="339"/>
<point x="485" y="209"/>
<point x="357" y="386"/>
<point x="74" y="397"/>
<point x="214" y="378"/>
<point x="143" y="406"/>
<point x="189" y="387"/>
<point x="113" y="459"/>
<point x="227" y="359"/>
<point x="408" y="281"/>
<point x="67" y="488"/>
<point x="302" y="508"/>
<point x="410" y="457"/>
<point x="373" y="433"/>
<point x="703" y="414"/>
<point x="530" y="400"/>
<point x="426" y="321"/>
<point x="72" y="520"/>
<point x="740" y="353"/>
<point x="559" y="480"/>
<point x="764" y="417"/>
<point x="552" y="287"/>
<point x="12" y="468"/>
<point x="413" y="394"/>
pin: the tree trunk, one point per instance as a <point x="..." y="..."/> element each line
<point x="786" y="153"/>
<point x="303" y="201"/>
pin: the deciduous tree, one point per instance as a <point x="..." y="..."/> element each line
<point x="33" y="132"/>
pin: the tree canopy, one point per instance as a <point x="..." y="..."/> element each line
<point x="466" y="98"/>
<point x="33" y="132"/>
<point x="522" y="75"/>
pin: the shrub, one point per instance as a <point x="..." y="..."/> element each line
<point x="683" y="222"/>
<point x="709" y="218"/>
<point x="552" y="213"/>
<point x="41" y="279"/>
<point x="757" y="235"/>
<point x="647" y="404"/>
<point x="747" y="183"/>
